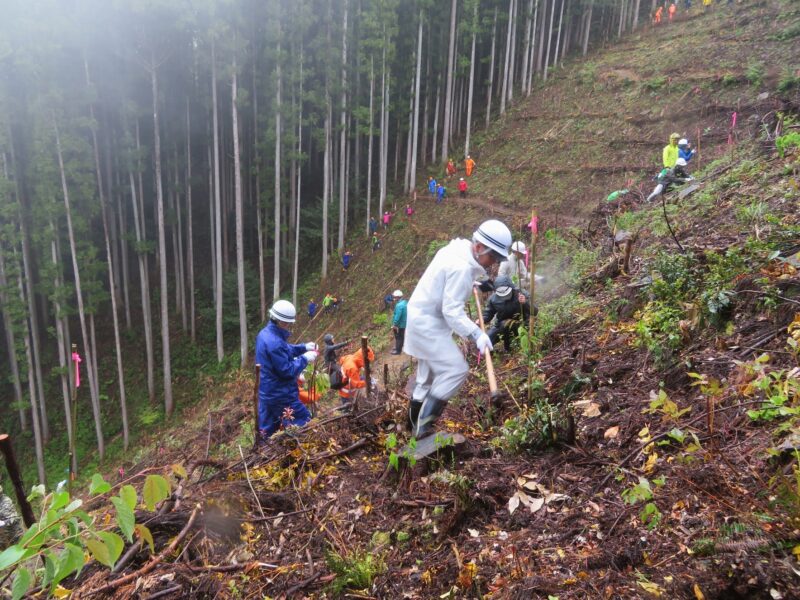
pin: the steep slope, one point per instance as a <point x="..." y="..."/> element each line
<point x="642" y="465"/>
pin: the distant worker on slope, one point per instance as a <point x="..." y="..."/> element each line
<point x="432" y="186"/>
<point x="346" y="258"/>
<point x="657" y="16"/>
<point x="351" y="366"/>
<point x="668" y="178"/>
<point x="436" y="311"/>
<point x="399" y="321"/>
<point x="509" y="307"/>
<point x="469" y="165"/>
<point x="281" y="364"/>
<point x="514" y="268"/>
<point x="685" y="150"/>
<point x="670" y="152"/>
<point x="462" y="188"/>
<point x="441" y="192"/>
<point x="671" y="11"/>
<point x="312" y="309"/>
<point x="451" y="168"/>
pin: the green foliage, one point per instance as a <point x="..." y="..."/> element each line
<point x="660" y="403"/>
<point x="655" y="84"/>
<point x="755" y="73"/>
<point x="394" y="458"/>
<point x="787" y="142"/>
<point x="789" y="81"/>
<point x="64" y="534"/>
<point x="643" y="492"/>
<point x="535" y="427"/>
<point x="729" y="80"/>
<point x="658" y="329"/>
<point x="434" y="246"/>
<point x="380" y="318"/>
<point x="587" y="74"/>
<point x="789" y="33"/>
<point x="355" y="569"/>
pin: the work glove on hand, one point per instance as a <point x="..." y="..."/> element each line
<point x="312" y="346"/>
<point x="373" y="383"/>
<point x="483" y="343"/>
<point x="311" y="355"/>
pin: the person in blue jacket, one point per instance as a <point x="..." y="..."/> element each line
<point x="312" y="309"/>
<point x="441" y="192"/>
<point x="346" y="258"/>
<point x="399" y="321"/>
<point x="432" y="186"/>
<point x="281" y="363"/>
<point x="685" y="150"/>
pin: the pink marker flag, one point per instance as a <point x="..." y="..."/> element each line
<point x="77" y="360"/>
<point x="534" y="225"/>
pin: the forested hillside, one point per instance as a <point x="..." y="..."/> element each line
<point x="169" y="168"/>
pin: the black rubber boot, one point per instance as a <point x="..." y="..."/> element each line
<point x="413" y="412"/>
<point x="432" y="409"/>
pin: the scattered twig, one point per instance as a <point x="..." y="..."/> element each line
<point x="154" y="562"/>
<point x="250" y="483"/>
<point x="350" y="448"/>
<point x="165" y="592"/>
<point x="296" y="588"/>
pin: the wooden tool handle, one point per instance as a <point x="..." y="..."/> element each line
<point x="488" y="355"/>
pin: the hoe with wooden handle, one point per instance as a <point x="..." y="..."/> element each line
<point x="489" y="365"/>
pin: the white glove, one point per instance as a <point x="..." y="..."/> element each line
<point x="483" y="343"/>
<point x="372" y="382"/>
<point x="311" y="355"/>
<point x="312" y="346"/>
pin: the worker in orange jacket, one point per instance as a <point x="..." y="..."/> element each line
<point x="671" y="11"/>
<point x="351" y="365"/>
<point x="469" y="165"/>
<point x="308" y="396"/>
<point x="657" y="17"/>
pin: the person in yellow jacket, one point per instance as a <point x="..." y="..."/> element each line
<point x="670" y="154"/>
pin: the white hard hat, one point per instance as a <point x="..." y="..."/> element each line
<point x="461" y="179"/>
<point x="283" y="310"/>
<point x="683" y="142"/>
<point x="681" y="162"/>
<point x="494" y="235"/>
<point x="397" y="294"/>
<point x="518" y="247"/>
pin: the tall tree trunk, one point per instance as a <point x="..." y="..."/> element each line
<point x="425" y="118"/>
<point x="526" y="45"/>
<point x="180" y="268"/>
<point x="162" y="248"/>
<point x="343" y="136"/>
<point x="237" y="183"/>
<point x="507" y="61"/>
<point x="512" y="65"/>
<point x="137" y="202"/>
<point x="384" y="134"/>
<point x="298" y="186"/>
<point x="276" y="262"/>
<point x="371" y="139"/>
<point x="11" y="344"/>
<point x="38" y="440"/>
<point x="529" y="82"/>
<point x="112" y="279"/>
<point x="434" y="145"/>
<point x="189" y="225"/>
<point x="588" y="28"/>
<point x="87" y="347"/>
<point x="415" y="133"/>
<point x="262" y="283"/>
<point x="636" y="8"/>
<point x="549" y="38"/>
<point x="217" y="212"/>
<point x="558" y="37"/>
<point x="326" y="165"/>
<point x="448" y="99"/>
<point x="471" y="78"/>
<point x="491" y="69"/>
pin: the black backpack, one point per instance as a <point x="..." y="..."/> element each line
<point x="337" y="379"/>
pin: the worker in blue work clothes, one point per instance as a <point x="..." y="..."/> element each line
<point x="685" y="150"/>
<point x="432" y="186"/>
<point x="312" y="309"/>
<point x="281" y="364"/>
<point x="441" y="192"/>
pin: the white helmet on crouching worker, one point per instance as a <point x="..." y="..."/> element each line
<point x="681" y="162"/>
<point x="397" y="294"/>
<point x="495" y="236"/>
<point x="518" y="247"/>
<point x="283" y="311"/>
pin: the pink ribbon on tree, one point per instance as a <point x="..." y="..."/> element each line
<point x="534" y="225"/>
<point x="733" y="126"/>
<point x="76" y="358"/>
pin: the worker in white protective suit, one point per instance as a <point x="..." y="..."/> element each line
<point x="514" y="268"/>
<point x="436" y="311"/>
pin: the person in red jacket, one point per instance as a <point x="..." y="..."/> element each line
<point x="451" y="168"/>
<point x="351" y="365"/>
<point x="462" y="188"/>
